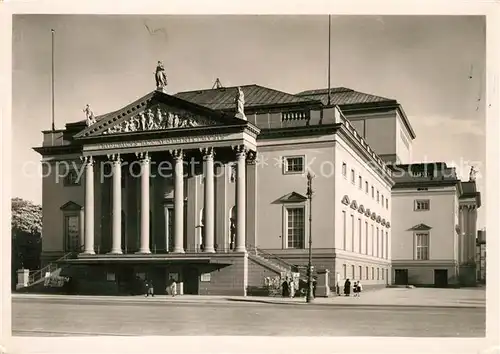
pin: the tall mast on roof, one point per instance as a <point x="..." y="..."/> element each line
<point x="217" y="84"/>
<point x="329" y="57"/>
<point x="52" y="82"/>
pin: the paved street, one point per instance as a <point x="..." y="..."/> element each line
<point x="39" y="316"/>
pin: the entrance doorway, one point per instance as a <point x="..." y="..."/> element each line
<point x="441" y="278"/>
<point x="401" y="276"/>
<point x="190" y="277"/>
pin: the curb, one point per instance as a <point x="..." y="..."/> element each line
<point x="242" y="301"/>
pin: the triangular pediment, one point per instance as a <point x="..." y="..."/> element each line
<point x="293" y="197"/>
<point x="71" y="206"/>
<point x="421" y="227"/>
<point x="155" y="112"/>
<point x="346" y="200"/>
<point x="361" y="209"/>
<point x="354" y="205"/>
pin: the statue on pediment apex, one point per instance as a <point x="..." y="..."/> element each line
<point x="160" y="76"/>
<point x="472" y="174"/>
<point x="89" y="115"/>
<point x="240" y="104"/>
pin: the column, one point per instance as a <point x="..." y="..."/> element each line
<point x="240" y="198"/>
<point x="209" y="207"/>
<point x="178" y="201"/>
<point x="89" y="205"/>
<point x="145" y="173"/>
<point x="116" y="247"/>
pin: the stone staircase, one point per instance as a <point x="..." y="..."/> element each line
<point x="53" y="268"/>
<point x="274" y="262"/>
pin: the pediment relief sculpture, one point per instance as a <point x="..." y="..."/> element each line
<point x="158" y="118"/>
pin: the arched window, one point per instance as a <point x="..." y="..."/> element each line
<point x="232" y="227"/>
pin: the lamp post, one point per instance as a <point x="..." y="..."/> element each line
<point x="310" y="292"/>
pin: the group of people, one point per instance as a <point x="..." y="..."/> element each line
<point x="356" y="288"/>
<point x="149" y="288"/>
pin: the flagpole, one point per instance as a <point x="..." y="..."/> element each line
<point x="329" y="56"/>
<point x="52" y="81"/>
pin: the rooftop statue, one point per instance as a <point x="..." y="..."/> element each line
<point x="160" y="76"/>
<point x="240" y="104"/>
<point x="90" y="115"/>
<point x="472" y="174"/>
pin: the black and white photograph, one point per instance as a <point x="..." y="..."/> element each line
<point x="279" y="175"/>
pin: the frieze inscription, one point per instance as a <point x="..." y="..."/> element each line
<point x="159" y="142"/>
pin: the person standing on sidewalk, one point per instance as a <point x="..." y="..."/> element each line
<point x="173" y="288"/>
<point x="355" y="288"/>
<point x="347" y="287"/>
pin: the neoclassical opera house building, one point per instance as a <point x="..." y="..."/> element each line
<point x="208" y="188"/>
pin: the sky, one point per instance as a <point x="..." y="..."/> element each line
<point x="433" y="65"/>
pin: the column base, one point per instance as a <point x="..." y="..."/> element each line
<point x="178" y="251"/>
<point x="116" y="252"/>
<point x="143" y="252"/>
<point x="240" y="249"/>
<point x="88" y="252"/>
<point x="209" y="250"/>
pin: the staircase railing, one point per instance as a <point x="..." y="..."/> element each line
<point x="52" y="266"/>
<point x="272" y="258"/>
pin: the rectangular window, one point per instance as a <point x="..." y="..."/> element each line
<point x="387" y="204"/>
<point x="382" y="255"/>
<point x="71" y="179"/>
<point x="360" y="232"/>
<point x="352" y="272"/>
<point x="366" y="238"/>
<point x="344" y="229"/>
<point x="71" y="233"/>
<point x="110" y="276"/>
<point x="378" y="273"/>
<point x="366" y="187"/>
<point x="295" y="227"/>
<point x="378" y="197"/>
<point x="421" y="205"/>
<point x="293" y="164"/>
<point x="360" y="270"/>
<point x="360" y="182"/>
<point x="373" y="192"/>
<point x="373" y="241"/>
<point x="344" y="268"/>
<point x="366" y="274"/>
<point x="382" y="199"/>
<point x="382" y="274"/>
<point x="352" y="233"/>
<point x="422" y="246"/>
<point x="373" y="273"/>
<point x="353" y="176"/>
<point x="344" y="169"/>
<point x="377" y="248"/>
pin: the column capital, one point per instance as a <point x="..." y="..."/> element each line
<point x="208" y="153"/>
<point x="177" y="154"/>
<point x="143" y="156"/>
<point x="87" y="160"/>
<point x="240" y="150"/>
<point x="252" y="157"/>
<point x="115" y="158"/>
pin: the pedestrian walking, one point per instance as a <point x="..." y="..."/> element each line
<point x="347" y="287"/>
<point x="173" y="288"/>
<point x="355" y="289"/>
<point x="359" y="288"/>
<point x="150" y="288"/>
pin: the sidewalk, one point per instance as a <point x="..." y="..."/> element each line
<point x="458" y="298"/>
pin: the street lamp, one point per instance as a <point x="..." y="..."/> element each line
<point x="310" y="193"/>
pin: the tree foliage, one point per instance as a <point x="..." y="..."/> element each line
<point x="26" y="217"/>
